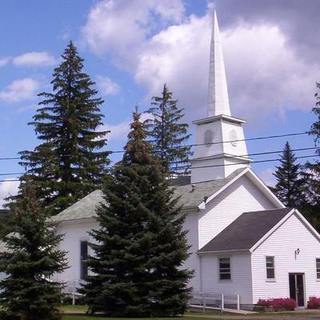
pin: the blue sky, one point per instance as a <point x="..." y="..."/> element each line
<point x="131" y="47"/>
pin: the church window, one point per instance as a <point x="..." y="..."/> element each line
<point x="208" y="137"/>
<point x="270" y="267"/>
<point x="83" y="260"/>
<point x="318" y="268"/>
<point x="224" y="268"/>
<point x="233" y="138"/>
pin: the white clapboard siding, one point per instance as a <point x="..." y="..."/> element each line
<point x="240" y="282"/>
<point x="239" y="197"/>
<point x="282" y="244"/>
<point x="192" y="263"/>
<point x="74" y="232"/>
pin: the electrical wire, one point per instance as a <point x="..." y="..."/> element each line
<point x="218" y="165"/>
<point x="199" y="144"/>
<point x="220" y="157"/>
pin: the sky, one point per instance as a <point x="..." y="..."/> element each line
<point x="132" y="47"/>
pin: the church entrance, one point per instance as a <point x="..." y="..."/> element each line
<point x="296" y="285"/>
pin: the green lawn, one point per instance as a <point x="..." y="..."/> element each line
<point x="304" y="316"/>
<point x="78" y="313"/>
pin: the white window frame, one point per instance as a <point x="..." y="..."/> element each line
<point x="225" y="272"/>
<point x="272" y="268"/>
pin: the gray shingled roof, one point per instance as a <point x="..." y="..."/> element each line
<point x="190" y="197"/>
<point x="245" y="231"/>
<point x="82" y="209"/>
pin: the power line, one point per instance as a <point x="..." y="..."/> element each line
<point x="252" y="139"/>
<point x="11" y="173"/>
<point x="248" y="155"/>
<point x="255" y="161"/>
<point x="217" y="165"/>
<point x="199" y="144"/>
<point x="221" y="157"/>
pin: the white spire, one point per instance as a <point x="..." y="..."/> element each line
<point x="218" y="99"/>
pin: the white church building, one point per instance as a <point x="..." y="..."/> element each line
<point x="243" y="240"/>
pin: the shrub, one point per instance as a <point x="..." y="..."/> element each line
<point x="313" y="303"/>
<point x="284" y="304"/>
<point x="278" y="304"/>
<point x="264" y="303"/>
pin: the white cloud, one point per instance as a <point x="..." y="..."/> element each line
<point x="120" y="27"/>
<point x="262" y="75"/>
<point x="179" y="57"/>
<point x="118" y="131"/>
<point x="7" y="189"/>
<point x="4" y="61"/>
<point x="265" y="74"/>
<point x="107" y="86"/>
<point x="40" y="58"/>
<point x="19" y="90"/>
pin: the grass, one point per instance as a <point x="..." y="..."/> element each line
<point x="78" y="313"/>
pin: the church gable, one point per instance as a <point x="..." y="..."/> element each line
<point x="240" y="196"/>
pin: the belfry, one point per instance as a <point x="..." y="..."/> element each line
<point x="220" y="147"/>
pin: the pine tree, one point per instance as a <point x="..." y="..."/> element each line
<point x="311" y="208"/>
<point x="167" y="134"/>
<point x="31" y="260"/>
<point x="68" y="163"/>
<point x="315" y="128"/>
<point x="137" y="266"/>
<point x="289" y="186"/>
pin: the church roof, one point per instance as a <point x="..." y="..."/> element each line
<point x="191" y="196"/>
<point x="244" y="232"/>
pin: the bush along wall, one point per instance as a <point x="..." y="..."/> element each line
<point x="278" y="304"/>
<point x="313" y="303"/>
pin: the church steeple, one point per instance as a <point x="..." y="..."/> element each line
<point x="218" y="99"/>
<point x="220" y="146"/>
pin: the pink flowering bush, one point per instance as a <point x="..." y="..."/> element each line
<point x="278" y="304"/>
<point x="264" y="303"/>
<point x="313" y="303"/>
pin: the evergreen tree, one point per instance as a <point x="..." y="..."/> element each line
<point x="5" y="222"/>
<point x="68" y="163"/>
<point x="167" y="135"/>
<point x="315" y="128"/>
<point x="289" y="186"/>
<point x="31" y="260"/>
<point x="311" y="208"/>
<point x="137" y="266"/>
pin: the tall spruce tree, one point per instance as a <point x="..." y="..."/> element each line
<point x="311" y="206"/>
<point x="30" y="261"/>
<point x="289" y="186"/>
<point x="312" y="172"/>
<point x="141" y="246"/>
<point x="69" y="162"/>
<point x="315" y="128"/>
<point x="167" y="134"/>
